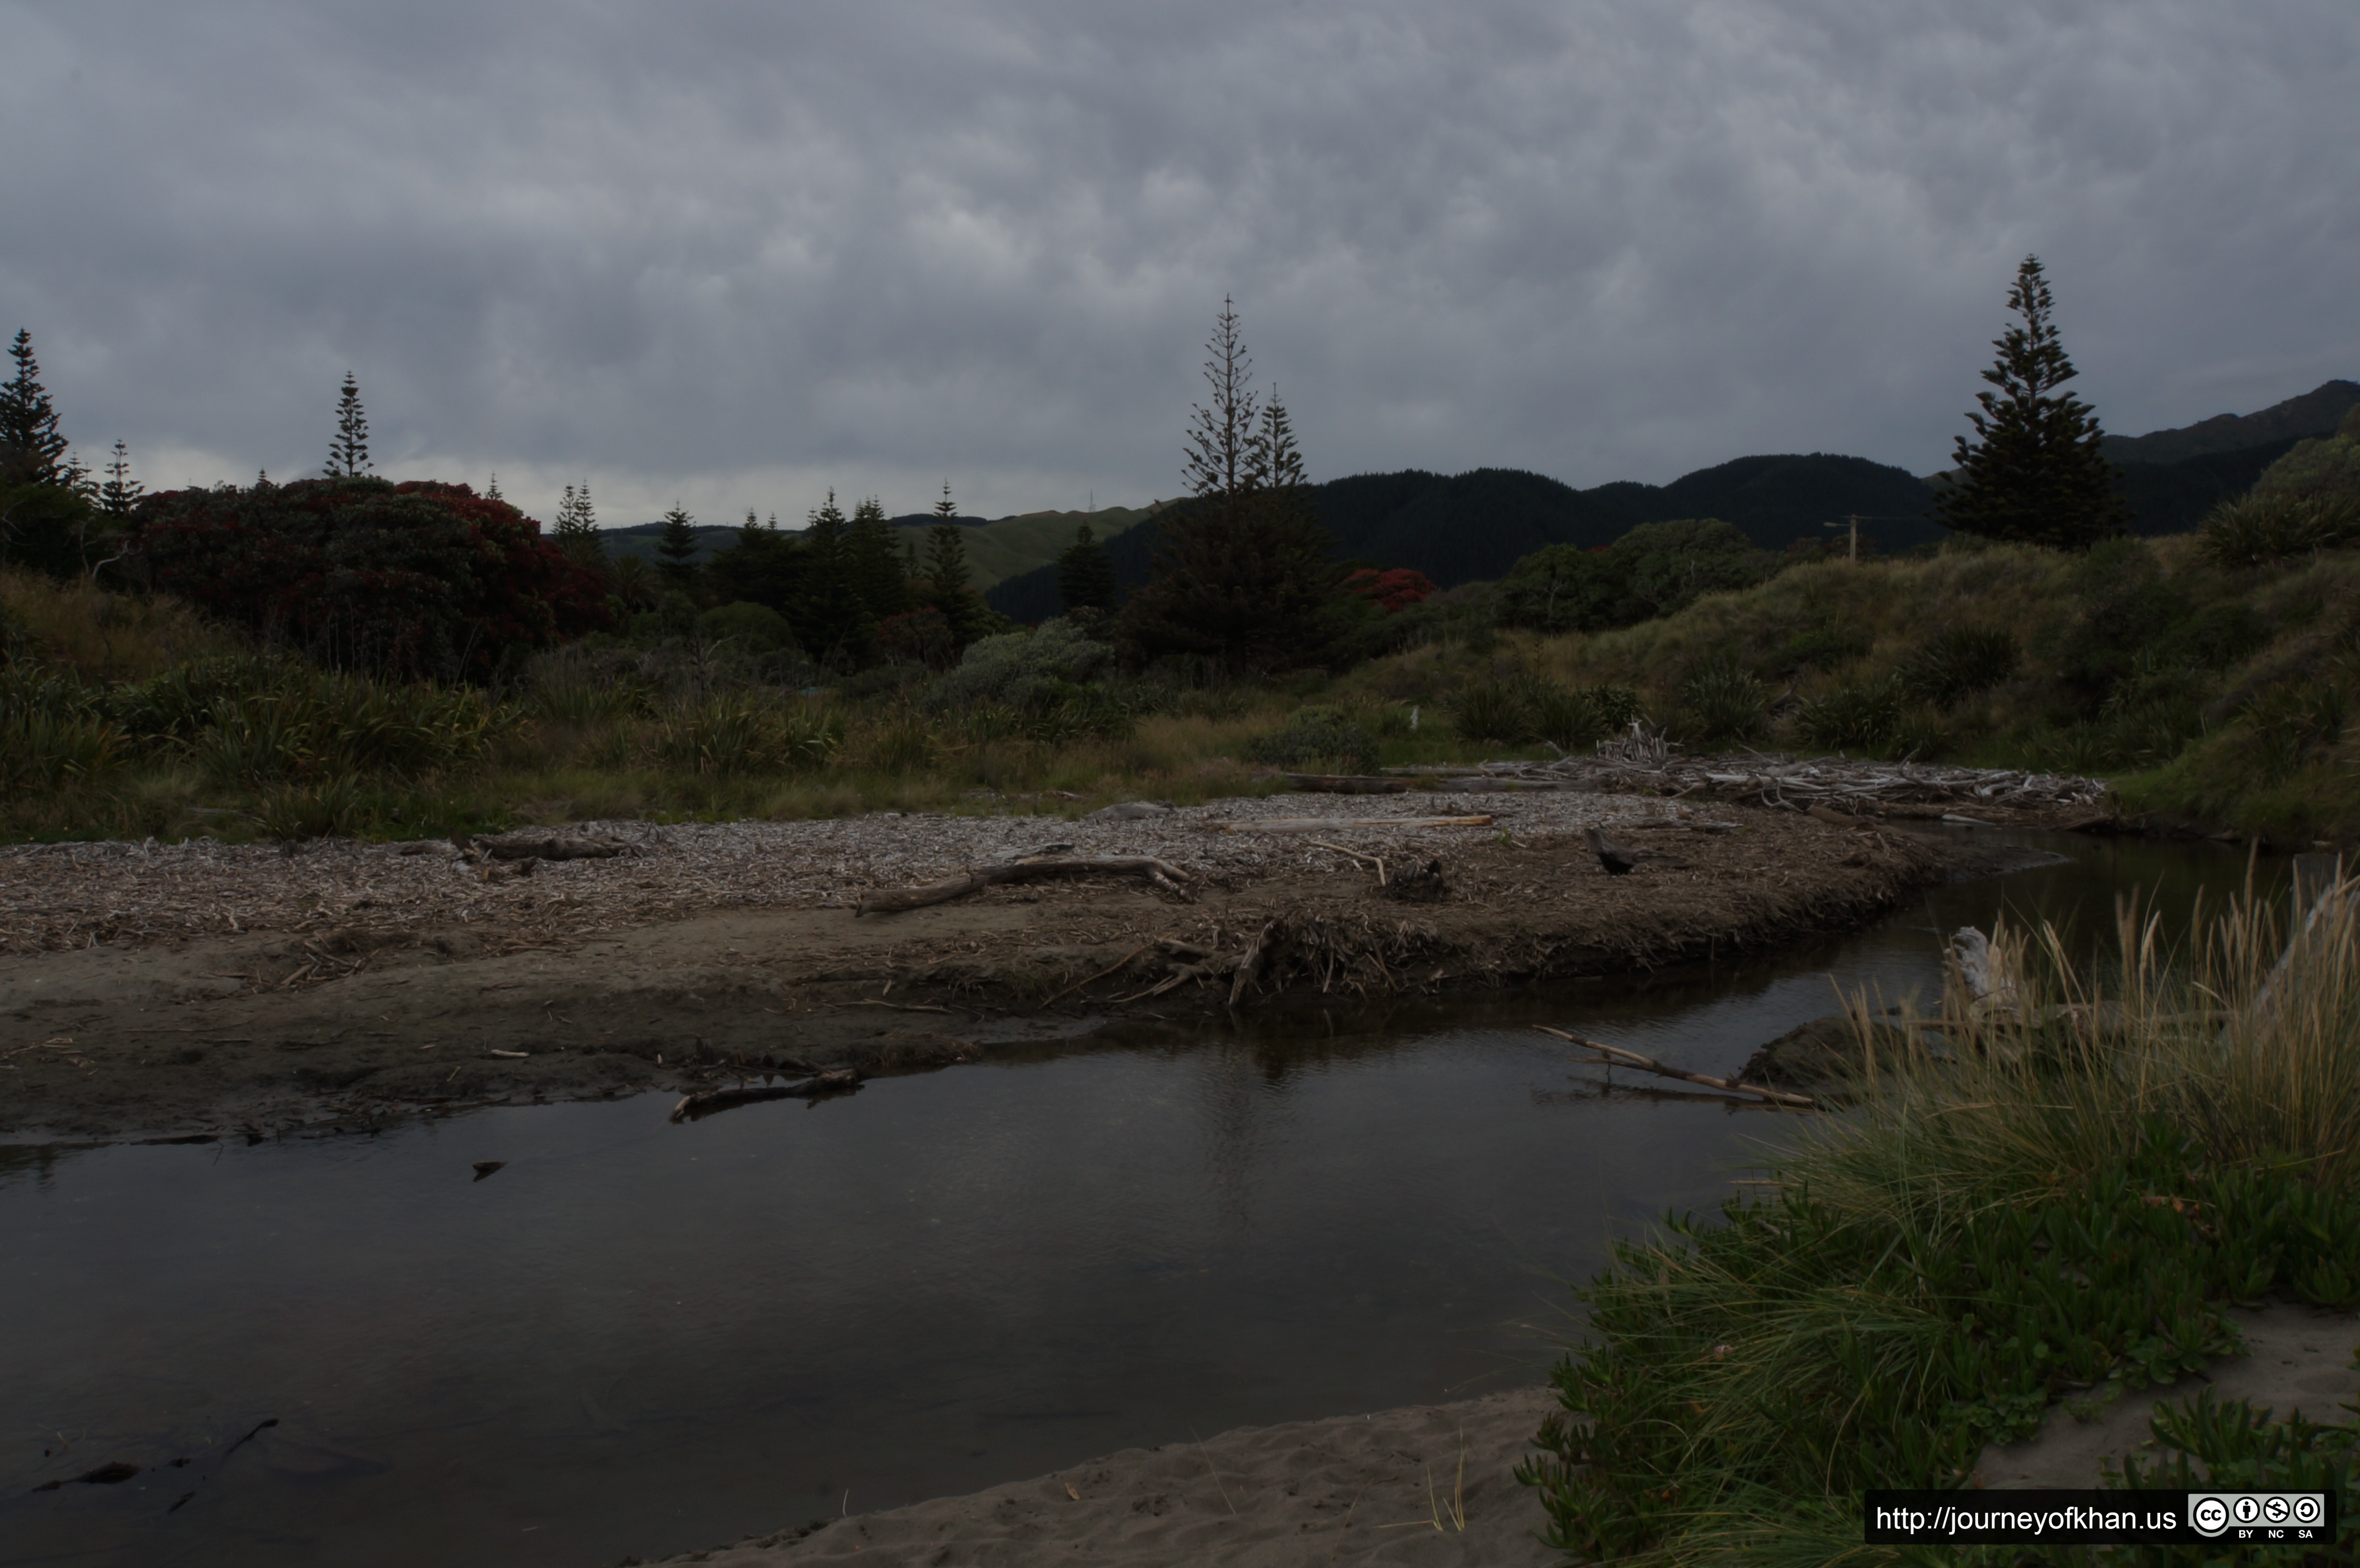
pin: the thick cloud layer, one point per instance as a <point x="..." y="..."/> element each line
<point x="736" y="251"/>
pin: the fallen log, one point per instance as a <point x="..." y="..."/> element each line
<point x="1345" y="784"/>
<point x="841" y="1082"/>
<point x="892" y="900"/>
<point x="546" y="846"/>
<point x="1617" y="1056"/>
<point x="1326" y="824"/>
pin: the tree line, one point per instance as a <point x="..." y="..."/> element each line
<point x="427" y="578"/>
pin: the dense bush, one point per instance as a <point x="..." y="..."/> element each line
<point x="2268" y="526"/>
<point x="1317" y="740"/>
<point x="1656" y="569"/>
<point x="745" y="732"/>
<point x="1723" y="703"/>
<point x="1954" y="665"/>
<point x="1016" y="669"/>
<point x="412" y="581"/>
<point x="1525" y="709"/>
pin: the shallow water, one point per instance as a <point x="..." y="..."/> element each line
<point x="642" y="1338"/>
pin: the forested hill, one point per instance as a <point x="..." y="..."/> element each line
<point x="2315" y="413"/>
<point x="1469" y="527"/>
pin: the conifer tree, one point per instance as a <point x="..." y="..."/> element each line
<point x="492" y="492"/>
<point x="1240" y="572"/>
<point x="876" y="565"/>
<point x="2034" y="472"/>
<point x="120" y="493"/>
<point x="1085" y="578"/>
<point x="835" y="625"/>
<point x="31" y="449"/>
<point x="348" y="456"/>
<point x="677" y="545"/>
<point x="577" y="528"/>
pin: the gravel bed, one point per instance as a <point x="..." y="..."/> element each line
<point x="66" y="896"/>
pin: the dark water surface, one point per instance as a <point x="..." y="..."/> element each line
<point x="642" y="1338"/>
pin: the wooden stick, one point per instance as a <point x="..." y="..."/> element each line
<point x="1325" y="824"/>
<point x="841" y="1081"/>
<point x="1345" y="784"/>
<point x="1322" y="844"/>
<point x="891" y="900"/>
<point x="1121" y="964"/>
<point x="1648" y="1064"/>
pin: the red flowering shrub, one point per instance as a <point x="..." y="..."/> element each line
<point x="918" y="636"/>
<point x="1390" y="591"/>
<point x="411" y="581"/>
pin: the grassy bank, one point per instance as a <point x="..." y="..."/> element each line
<point x="2046" y="1201"/>
<point x="125" y="717"/>
<point x="2212" y="683"/>
<point x="2210" y="693"/>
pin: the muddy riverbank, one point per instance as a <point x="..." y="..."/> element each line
<point x="202" y="990"/>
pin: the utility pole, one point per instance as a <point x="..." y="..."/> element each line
<point x="1853" y="523"/>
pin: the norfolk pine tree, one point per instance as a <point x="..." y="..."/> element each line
<point x="2034" y="474"/>
<point x="30" y="445"/>
<point x="876" y="565"/>
<point x="677" y="545"/>
<point x="832" y="623"/>
<point x="577" y="528"/>
<point x="1242" y="572"/>
<point x="1086" y="579"/>
<point x="348" y="455"/>
<point x="944" y="580"/>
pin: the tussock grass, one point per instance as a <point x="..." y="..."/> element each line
<point x="2029" y="1201"/>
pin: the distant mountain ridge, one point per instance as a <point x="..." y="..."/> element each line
<point x="1471" y="527"/>
<point x="2315" y="413"/>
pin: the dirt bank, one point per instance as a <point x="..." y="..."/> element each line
<point x="203" y="990"/>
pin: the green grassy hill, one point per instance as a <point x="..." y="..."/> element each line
<point x="997" y="550"/>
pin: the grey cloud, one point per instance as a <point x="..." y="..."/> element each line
<point x="739" y="249"/>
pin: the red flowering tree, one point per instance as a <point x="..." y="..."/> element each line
<point x="413" y="580"/>
<point x="1390" y="591"/>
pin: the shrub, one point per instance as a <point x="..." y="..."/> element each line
<point x="1015" y="667"/>
<point x="1865" y="716"/>
<point x="332" y="807"/>
<point x="1823" y="648"/>
<point x="1723" y="702"/>
<point x="411" y="580"/>
<point x="1526" y="708"/>
<point x="1491" y="710"/>
<point x="2275" y="525"/>
<point x="1317" y="740"/>
<point x="738" y="732"/>
<point x="1954" y="665"/>
<point x="755" y="629"/>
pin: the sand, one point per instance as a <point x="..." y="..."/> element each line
<point x="1386" y="1487"/>
<point x="1380" y="1488"/>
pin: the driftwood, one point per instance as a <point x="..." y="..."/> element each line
<point x="892" y="900"/>
<point x="1618" y="1057"/>
<point x="1345" y="784"/>
<point x="1326" y="824"/>
<point x="1648" y="765"/>
<point x="544" y="846"/>
<point x="818" y="1087"/>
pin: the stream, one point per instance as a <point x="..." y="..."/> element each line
<point x="637" y="1338"/>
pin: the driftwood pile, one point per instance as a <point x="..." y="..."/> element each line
<point x="1832" y="784"/>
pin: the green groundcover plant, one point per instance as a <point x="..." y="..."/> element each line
<point x="2053" y="1199"/>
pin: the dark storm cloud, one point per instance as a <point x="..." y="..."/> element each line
<point x="738" y="251"/>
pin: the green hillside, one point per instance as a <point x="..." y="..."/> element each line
<point x="997" y="550"/>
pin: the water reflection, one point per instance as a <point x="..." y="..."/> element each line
<point x="640" y="1338"/>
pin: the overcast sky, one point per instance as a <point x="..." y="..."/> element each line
<point x="734" y="252"/>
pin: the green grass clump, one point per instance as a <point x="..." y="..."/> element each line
<point x="2050" y="1199"/>
<point x="1317" y="740"/>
